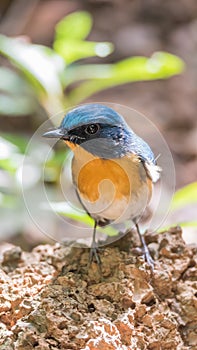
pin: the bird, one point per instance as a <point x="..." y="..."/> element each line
<point x="113" y="169"/>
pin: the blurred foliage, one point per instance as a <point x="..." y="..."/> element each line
<point x="184" y="200"/>
<point x="44" y="74"/>
<point x="53" y="79"/>
<point x="65" y="209"/>
<point x="184" y="196"/>
<point x="70" y="36"/>
<point x="13" y="152"/>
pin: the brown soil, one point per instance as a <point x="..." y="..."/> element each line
<point x="50" y="299"/>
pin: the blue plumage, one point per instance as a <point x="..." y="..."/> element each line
<point x="114" y="140"/>
<point x="91" y="113"/>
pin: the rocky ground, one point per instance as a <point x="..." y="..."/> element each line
<point x="51" y="299"/>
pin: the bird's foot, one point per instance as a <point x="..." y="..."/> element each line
<point x="94" y="255"/>
<point x="148" y="258"/>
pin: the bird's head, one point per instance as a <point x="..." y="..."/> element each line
<point x="97" y="128"/>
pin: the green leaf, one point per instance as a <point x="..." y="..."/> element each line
<point x="16" y="140"/>
<point x="185" y="196"/>
<point x="10" y="156"/>
<point x="8" y="201"/>
<point x="16" y="105"/>
<point x="36" y="61"/>
<point x="65" y="209"/>
<point x="17" y="97"/>
<point x="73" y="50"/>
<point x="53" y="166"/>
<point x="74" y="73"/>
<point x="77" y="25"/>
<point x="69" y="39"/>
<point x="9" y="165"/>
<point x="12" y="83"/>
<point x="41" y="65"/>
<point x="161" y="65"/>
<point x="189" y="224"/>
<point x="58" y="158"/>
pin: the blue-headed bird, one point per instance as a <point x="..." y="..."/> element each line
<point x="113" y="169"/>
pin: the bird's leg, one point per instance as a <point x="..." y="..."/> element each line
<point x="147" y="255"/>
<point x="94" y="248"/>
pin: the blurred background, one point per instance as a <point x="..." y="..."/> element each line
<point x="58" y="53"/>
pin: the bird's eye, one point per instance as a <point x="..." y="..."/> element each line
<point x="92" y="129"/>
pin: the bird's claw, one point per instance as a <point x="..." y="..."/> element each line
<point x="94" y="254"/>
<point x="149" y="258"/>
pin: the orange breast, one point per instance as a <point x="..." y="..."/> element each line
<point x="118" y="179"/>
<point x="92" y="175"/>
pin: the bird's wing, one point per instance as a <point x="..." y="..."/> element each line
<point x="139" y="147"/>
<point x="153" y="171"/>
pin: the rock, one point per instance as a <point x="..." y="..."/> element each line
<point x="47" y="304"/>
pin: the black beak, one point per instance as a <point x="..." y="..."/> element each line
<point x="55" y="134"/>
